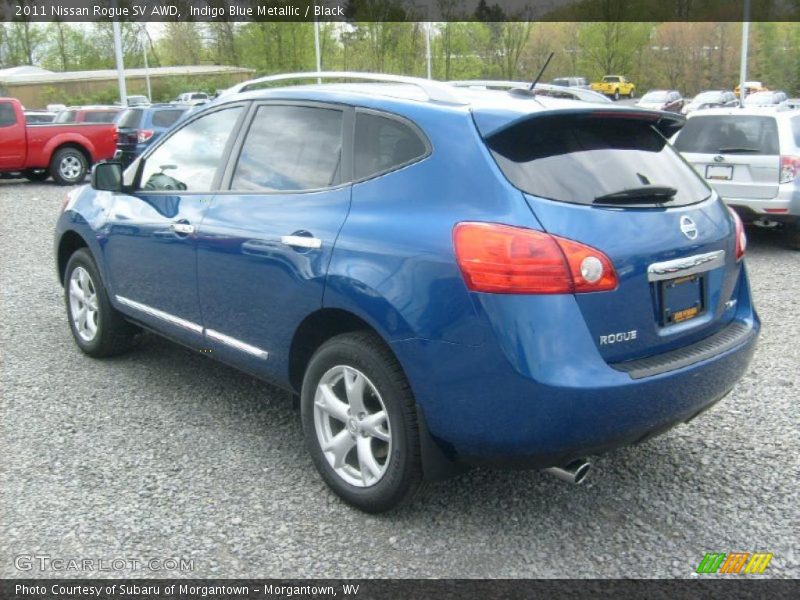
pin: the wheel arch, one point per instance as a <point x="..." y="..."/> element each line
<point x="75" y="145"/>
<point x="70" y="242"/>
<point x="326" y="323"/>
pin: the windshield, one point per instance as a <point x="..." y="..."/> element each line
<point x="655" y="97"/>
<point x="610" y="79"/>
<point x="199" y="96"/>
<point x="560" y="82"/>
<point x="578" y="159"/>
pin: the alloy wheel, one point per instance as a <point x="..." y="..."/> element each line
<point x="83" y="304"/>
<point x="352" y="426"/>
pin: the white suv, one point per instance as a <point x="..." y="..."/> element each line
<point x="752" y="158"/>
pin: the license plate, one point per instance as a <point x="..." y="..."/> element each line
<point x="720" y="172"/>
<point x="682" y="299"/>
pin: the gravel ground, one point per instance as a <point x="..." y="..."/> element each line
<point x="165" y="453"/>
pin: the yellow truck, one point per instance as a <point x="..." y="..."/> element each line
<point x="615" y="86"/>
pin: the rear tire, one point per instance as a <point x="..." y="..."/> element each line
<point x="69" y="166"/>
<point x="357" y="404"/>
<point x="36" y="175"/>
<point x="632" y="95"/>
<point x="98" y="328"/>
<point x="616" y="94"/>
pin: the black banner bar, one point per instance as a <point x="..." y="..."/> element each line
<point x="728" y="588"/>
<point x="399" y="10"/>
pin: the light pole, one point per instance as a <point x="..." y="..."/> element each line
<point x="316" y="49"/>
<point x="743" y="63"/>
<point x="123" y="93"/>
<point x="146" y="68"/>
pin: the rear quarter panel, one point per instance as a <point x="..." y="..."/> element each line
<point x="394" y="263"/>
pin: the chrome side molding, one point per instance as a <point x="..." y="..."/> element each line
<point x="690" y="265"/>
<point x="194" y="327"/>
<point x="160" y="314"/>
<point x="237" y="344"/>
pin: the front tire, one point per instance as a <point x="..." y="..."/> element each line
<point x="359" y="422"/>
<point x="616" y="95"/>
<point x="632" y="95"/>
<point x="69" y="166"/>
<point x="99" y="330"/>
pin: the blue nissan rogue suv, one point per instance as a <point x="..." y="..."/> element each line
<point x="444" y="276"/>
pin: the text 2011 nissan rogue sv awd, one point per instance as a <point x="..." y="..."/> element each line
<point x="442" y="275"/>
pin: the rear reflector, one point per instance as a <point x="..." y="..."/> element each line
<point x="741" y="236"/>
<point x="790" y="168"/>
<point x="502" y="259"/>
<point x="776" y="211"/>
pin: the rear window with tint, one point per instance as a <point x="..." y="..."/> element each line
<point x="577" y="159"/>
<point x="130" y="119"/>
<point x="729" y="134"/>
<point x="166" y="118"/>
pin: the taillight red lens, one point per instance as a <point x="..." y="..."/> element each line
<point x="790" y="168"/>
<point x="502" y="259"/>
<point x="741" y="236"/>
<point x="142" y="135"/>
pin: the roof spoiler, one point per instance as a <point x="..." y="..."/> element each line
<point x="665" y="122"/>
<point x="436" y="91"/>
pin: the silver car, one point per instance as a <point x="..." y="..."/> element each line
<point x="752" y="157"/>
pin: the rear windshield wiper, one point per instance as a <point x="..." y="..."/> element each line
<point x="658" y="193"/>
<point x="736" y="149"/>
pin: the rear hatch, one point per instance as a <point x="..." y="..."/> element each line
<point x="738" y="154"/>
<point x="609" y="179"/>
<point x="128" y="125"/>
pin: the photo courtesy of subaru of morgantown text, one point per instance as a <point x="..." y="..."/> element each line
<point x="445" y="275"/>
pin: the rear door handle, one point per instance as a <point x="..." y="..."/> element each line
<point x="182" y="228"/>
<point x="301" y="241"/>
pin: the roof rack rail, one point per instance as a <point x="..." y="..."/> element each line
<point x="435" y="90"/>
<point x="489" y="83"/>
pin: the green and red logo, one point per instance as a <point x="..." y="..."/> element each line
<point x="734" y="563"/>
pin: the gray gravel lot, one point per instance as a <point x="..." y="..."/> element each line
<point x="165" y="453"/>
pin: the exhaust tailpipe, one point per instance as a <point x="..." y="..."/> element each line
<point x="574" y="472"/>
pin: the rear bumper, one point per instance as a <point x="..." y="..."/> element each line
<point x="786" y="203"/>
<point x="482" y="410"/>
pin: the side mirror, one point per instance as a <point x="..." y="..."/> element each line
<point x="107" y="176"/>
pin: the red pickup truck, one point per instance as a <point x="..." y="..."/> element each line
<point x="64" y="152"/>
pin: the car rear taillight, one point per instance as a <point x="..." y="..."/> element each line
<point x="790" y="168"/>
<point x="502" y="259"/>
<point x="142" y="135"/>
<point x="741" y="236"/>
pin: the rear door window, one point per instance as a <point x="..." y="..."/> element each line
<point x="729" y="134"/>
<point x="290" y="148"/>
<point x="166" y="118"/>
<point x="580" y="159"/>
<point x="383" y="144"/>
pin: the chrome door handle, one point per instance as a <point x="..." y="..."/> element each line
<point x="301" y="241"/>
<point x="182" y="228"/>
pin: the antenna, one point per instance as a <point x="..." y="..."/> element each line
<point x="539" y="76"/>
